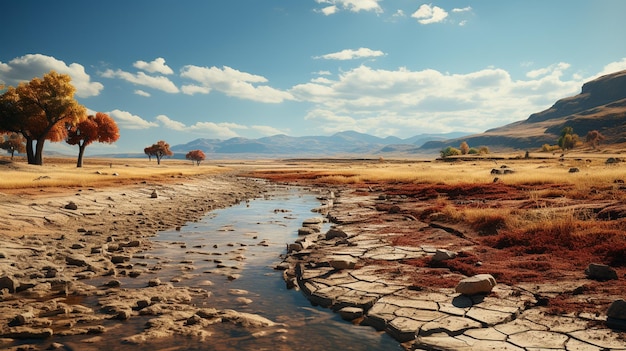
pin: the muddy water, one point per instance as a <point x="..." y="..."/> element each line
<point x="231" y="253"/>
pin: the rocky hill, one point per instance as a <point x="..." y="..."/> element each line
<point x="601" y="106"/>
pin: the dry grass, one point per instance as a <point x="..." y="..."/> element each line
<point x="62" y="172"/>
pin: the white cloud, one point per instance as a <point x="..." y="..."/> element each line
<point x="156" y="66"/>
<point x="376" y="100"/>
<point x="142" y="93"/>
<point x="552" y="69"/>
<point x="129" y="121"/>
<point x="171" y="124"/>
<point x="613" y="67"/>
<point x="349" y="54"/>
<point x="427" y="14"/>
<point x="232" y="83"/>
<point x="140" y="78"/>
<point x="465" y="9"/>
<point x="27" y="67"/>
<point x="350" y="5"/>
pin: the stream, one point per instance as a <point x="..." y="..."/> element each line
<point x="231" y="252"/>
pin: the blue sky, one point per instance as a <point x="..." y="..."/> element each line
<point x="182" y="70"/>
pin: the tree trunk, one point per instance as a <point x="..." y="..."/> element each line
<point x="39" y="152"/>
<point x="158" y="159"/>
<point x="30" y="154"/>
<point x="81" y="152"/>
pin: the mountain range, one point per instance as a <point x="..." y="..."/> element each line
<point x="601" y="105"/>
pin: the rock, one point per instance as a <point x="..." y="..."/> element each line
<point x="28" y="333"/>
<point x="71" y="206"/>
<point x="10" y="283"/>
<point x="154" y="282"/>
<point x="351" y="313"/>
<point x="574" y="170"/>
<point x="617" y="310"/>
<point x="119" y="259"/>
<point x="77" y="260"/>
<point x="154" y="194"/>
<point x="600" y="272"/>
<point x="442" y="255"/>
<point x="342" y="262"/>
<point x="478" y="284"/>
<point x="307" y="231"/>
<point x="333" y="233"/>
<point x="22" y="319"/>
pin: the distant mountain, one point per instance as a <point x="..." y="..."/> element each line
<point x="601" y="106"/>
<point x="342" y="143"/>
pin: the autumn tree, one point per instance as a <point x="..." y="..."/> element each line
<point x="196" y="156"/>
<point x="150" y="152"/>
<point x="13" y="143"/>
<point x="40" y="110"/>
<point x="568" y="139"/>
<point x="160" y="149"/>
<point x="464" y="147"/>
<point x="594" y="138"/>
<point x="100" y="128"/>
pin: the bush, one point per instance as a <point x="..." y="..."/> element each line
<point x="450" y="151"/>
<point x="483" y="150"/>
<point x="473" y="151"/>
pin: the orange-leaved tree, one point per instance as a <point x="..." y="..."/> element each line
<point x="196" y="156"/>
<point x="160" y="149"/>
<point x="100" y="128"/>
<point x="13" y="142"/>
<point x="40" y="110"/>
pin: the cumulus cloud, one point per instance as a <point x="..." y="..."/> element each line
<point x="375" y="100"/>
<point x="232" y="83"/>
<point x="613" y="67"/>
<point x="27" y="67"/>
<point x="142" y="93"/>
<point x="224" y="130"/>
<point x="427" y="14"/>
<point x="349" y="54"/>
<point x="350" y="5"/>
<point x="129" y="121"/>
<point x="156" y="66"/>
<point x="140" y="78"/>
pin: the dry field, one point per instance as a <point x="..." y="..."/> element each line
<point x="58" y="173"/>
<point x="538" y="223"/>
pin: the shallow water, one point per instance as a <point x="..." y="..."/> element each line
<point x="246" y="240"/>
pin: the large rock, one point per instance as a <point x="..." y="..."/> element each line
<point x="600" y="272"/>
<point x="443" y="255"/>
<point x="478" y="284"/>
<point x="10" y="283"/>
<point x="335" y="233"/>
<point x="617" y="310"/>
<point x="342" y="262"/>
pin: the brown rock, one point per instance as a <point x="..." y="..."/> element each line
<point x="478" y="284"/>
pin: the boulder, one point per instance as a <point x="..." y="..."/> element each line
<point x="10" y="283"/>
<point x="617" y="309"/>
<point x="342" y="262"/>
<point x="335" y="233"/>
<point x="601" y="272"/>
<point x="443" y="254"/>
<point x="351" y="313"/>
<point x="478" y="284"/>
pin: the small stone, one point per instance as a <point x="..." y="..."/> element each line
<point x="351" y="313"/>
<point x="71" y="206"/>
<point x="478" y="284"/>
<point x="335" y="233"/>
<point x="10" y="283"/>
<point x="154" y="282"/>
<point x="442" y="255"/>
<point x="600" y="272"/>
<point x="154" y="194"/>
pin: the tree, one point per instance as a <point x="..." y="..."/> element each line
<point x="568" y="139"/>
<point x="464" y="147"/>
<point x="160" y="149"/>
<point x="13" y="142"/>
<point x="594" y="138"/>
<point x="40" y="110"/>
<point x="149" y="151"/>
<point x="196" y="155"/>
<point x="450" y="151"/>
<point x="100" y="128"/>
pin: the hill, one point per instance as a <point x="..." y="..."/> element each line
<point x="343" y="143"/>
<point x="601" y="105"/>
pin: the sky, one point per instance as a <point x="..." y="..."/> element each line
<point x="181" y="70"/>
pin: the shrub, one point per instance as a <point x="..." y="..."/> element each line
<point x="450" y="151"/>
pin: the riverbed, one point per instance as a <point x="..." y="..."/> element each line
<point x="231" y="253"/>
